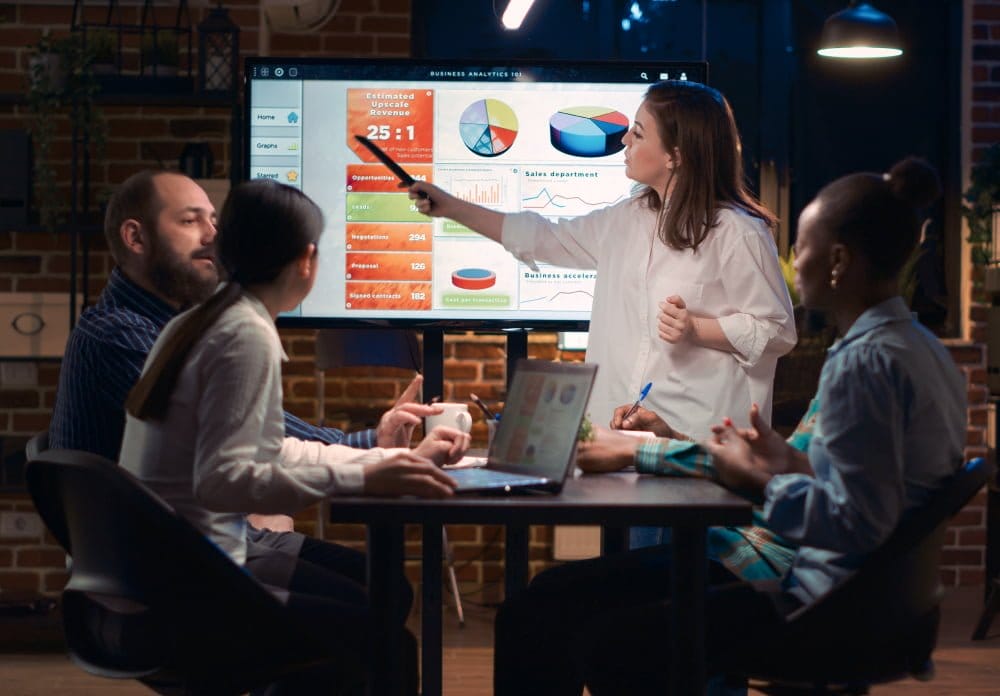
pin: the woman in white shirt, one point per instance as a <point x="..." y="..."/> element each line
<point x="205" y="428"/>
<point x="689" y="292"/>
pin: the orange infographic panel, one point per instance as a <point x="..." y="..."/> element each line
<point x="368" y="178"/>
<point x="400" y="121"/>
<point x="389" y="236"/>
<point x="388" y="296"/>
<point x="389" y="266"/>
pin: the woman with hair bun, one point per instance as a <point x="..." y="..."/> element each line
<point x="888" y="429"/>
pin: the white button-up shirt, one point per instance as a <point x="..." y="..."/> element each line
<point x="221" y="452"/>
<point x="734" y="277"/>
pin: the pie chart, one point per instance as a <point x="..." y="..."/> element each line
<point x="488" y="127"/>
<point x="588" y="131"/>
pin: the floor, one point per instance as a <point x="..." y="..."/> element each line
<point x="962" y="667"/>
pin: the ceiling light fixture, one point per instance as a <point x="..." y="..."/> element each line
<point x="515" y="13"/>
<point x="860" y="31"/>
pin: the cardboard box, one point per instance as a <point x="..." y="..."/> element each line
<point x="33" y="324"/>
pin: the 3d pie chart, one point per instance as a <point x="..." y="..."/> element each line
<point x="488" y="127"/>
<point x="588" y="131"/>
<point x="473" y="278"/>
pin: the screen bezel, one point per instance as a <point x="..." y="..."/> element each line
<point x="567" y="71"/>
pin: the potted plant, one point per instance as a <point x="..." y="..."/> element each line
<point x="60" y="80"/>
<point x="160" y="53"/>
<point x="102" y="45"/>
<point x="981" y="210"/>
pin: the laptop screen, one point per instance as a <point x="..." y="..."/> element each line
<point x="541" y="418"/>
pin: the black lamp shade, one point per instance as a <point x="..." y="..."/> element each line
<point x="218" y="53"/>
<point x="860" y="31"/>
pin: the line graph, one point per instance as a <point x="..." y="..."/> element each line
<point x="556" y="289"/>
<point x="579" y="295"/>
<point x="569" y="192"/>
<point x="546" y="199"/>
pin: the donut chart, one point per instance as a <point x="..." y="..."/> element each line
<point x="588" y="131"/>
<point x="473" y="278"/>
<point x="488" y="127"/>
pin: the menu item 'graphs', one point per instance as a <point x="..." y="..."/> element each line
<point x="488" y="127"/>
<point x="588" y="131"/>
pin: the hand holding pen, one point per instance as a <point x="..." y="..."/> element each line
<point x="635" y="417"/>
<point x="638" y="402"/>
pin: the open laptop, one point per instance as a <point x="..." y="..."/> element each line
<point x="535" y="441"/>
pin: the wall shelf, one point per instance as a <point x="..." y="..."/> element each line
<point x="124" y="91"/>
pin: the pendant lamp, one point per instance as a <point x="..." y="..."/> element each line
<point x="859" y="32"/>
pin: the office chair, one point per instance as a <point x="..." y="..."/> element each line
<point x="992" y="604"/>
<point x="990" y="610"/>
<point x="38" y="443"/>
<point x="341" y="348"/>
<point x="881" y="623"/>
<point x="150" y="598"/>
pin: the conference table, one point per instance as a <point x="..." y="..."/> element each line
<point x="613" y="501"/>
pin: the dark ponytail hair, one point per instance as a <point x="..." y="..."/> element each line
<point x="264" y="226"/>
<point x="878" y="215"/>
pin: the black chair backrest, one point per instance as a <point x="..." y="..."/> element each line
<point x="38" y="443"/>
<point x="881" y="623"/>
<point x="131" y="550"/>
<point x="902" y="577"/>
<point x="125" y="540"/>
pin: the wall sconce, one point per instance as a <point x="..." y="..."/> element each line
<point x="218" y="53"/>
<point x="860" y="31"/>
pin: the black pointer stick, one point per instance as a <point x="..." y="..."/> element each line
<point x="389" y="162"/>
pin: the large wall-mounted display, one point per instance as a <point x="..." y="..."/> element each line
<point x="511" y="137"/>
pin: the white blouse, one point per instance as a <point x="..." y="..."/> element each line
<point x="733" y="277"/>
<point x="221" y="452"/>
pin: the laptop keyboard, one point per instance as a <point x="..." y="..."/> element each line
<point x="475" y="478"/>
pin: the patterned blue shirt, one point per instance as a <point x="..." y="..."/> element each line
<point x="103" y="360"/>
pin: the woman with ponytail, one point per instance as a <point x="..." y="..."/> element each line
<point x="204" y="426"/>
<point x="887" y="430"/>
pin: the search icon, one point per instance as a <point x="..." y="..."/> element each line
<point x="644" y="76"/>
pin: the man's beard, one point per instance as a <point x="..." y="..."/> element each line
<point x="179" y="279"/>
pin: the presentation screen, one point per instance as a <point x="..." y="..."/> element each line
<point x="510" y="136"/>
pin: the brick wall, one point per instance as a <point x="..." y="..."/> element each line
<point x="984" y="118"/>
<point x="145" y="136"/>
<point x="965" y="548"/>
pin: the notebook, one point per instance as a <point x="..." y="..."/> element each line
<point x="535" y="443"/>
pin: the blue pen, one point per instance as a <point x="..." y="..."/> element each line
<point x="642" y="397"/>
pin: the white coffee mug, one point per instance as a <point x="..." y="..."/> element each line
<point x="454" y="415"/>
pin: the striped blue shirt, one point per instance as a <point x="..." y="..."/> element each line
<point x="103" y="360"/>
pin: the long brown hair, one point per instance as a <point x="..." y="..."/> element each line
<point x="264" y="226"/>
<point x="697" y="121"/>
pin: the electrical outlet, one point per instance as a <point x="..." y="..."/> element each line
<point x="18" y="374"/>
<point x="20" y="525"/>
